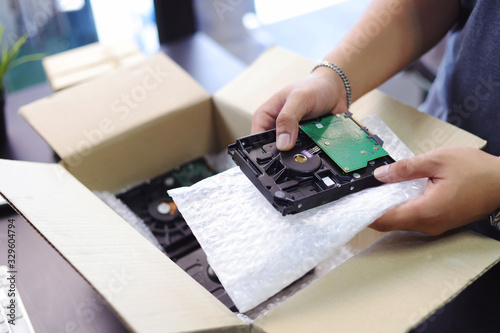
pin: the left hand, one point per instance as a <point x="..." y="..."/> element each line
<point x="463" y="187"/>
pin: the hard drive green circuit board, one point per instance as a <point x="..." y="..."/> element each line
<point x="348" y="143"/>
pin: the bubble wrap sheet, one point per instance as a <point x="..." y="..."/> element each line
<point x="255" y="251"/>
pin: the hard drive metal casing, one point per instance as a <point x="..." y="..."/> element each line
<point x="306" y="176"/>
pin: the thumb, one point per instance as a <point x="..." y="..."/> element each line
<point x="287" y="122"/>
<point x="421" y="166"/>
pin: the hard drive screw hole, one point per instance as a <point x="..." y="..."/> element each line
<point x="356" y="175"/>
<point x="299" y="158"/>
<point x="279" y="194"/>
<point x="164" y="208"/>
<point x="169" y="181"/>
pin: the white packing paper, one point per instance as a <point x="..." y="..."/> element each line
<point x="255" y="251"/>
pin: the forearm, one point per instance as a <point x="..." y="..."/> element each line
<point x="390" y="35"/>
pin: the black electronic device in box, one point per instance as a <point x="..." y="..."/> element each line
<point x="334" y="155"/>
<point x="159" y="212"/>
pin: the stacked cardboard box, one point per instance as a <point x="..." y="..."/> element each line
<point x="88" y="62"/>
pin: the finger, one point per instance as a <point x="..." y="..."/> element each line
<point x="262" y="121"/>
<point x="422" y="166"/>
<point x="402" y="217"/>
<point x="287" y="123"/>
<point x="418" y="214"/>
<point x="265" y="116"/>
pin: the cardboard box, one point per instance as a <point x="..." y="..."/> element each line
<point x="144" y="120"/>
<point x="88" y="62"/>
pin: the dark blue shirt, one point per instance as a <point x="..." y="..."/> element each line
<point x="466" y="91"/>
<point x="467" y="88"/>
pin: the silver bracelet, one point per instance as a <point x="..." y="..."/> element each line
<point x="342" y="76"/>
<point x="495" y="219"/>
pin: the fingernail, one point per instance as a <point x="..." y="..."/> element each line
<point x="283" y="141"/>
<point x="381" y="172"/>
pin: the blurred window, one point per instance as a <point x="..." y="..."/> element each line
<point x="54" y="26"/>
<point x="271" y="11"/>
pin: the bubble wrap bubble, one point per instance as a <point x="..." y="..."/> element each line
<point x="341" y="255"/>
<point x="255" y="251"/>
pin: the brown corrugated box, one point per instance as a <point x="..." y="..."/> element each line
<point x="88" y="62"/>
<point x="144" y="120"/>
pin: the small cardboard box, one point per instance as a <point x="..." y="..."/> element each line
<point x="88" y="62"/>
<point x="141" y="121"/>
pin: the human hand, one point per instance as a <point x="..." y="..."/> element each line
<point x="463" y="187"/>
<point x="318" y="93"/>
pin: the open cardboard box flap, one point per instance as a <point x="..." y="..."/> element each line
<point x="100" y="129"/>
<point x="144" y="287"/>
<point x="391" y="286"/>
<point x="237" y="101"/>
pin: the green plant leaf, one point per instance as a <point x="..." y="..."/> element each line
<point x="17" y="46"/>
<point x="4" y="62"/>
<point x="14" y="52"/>
<point x="10" y="58"/>
<point x="2" y="29"/>
<point x="24" y="59"/>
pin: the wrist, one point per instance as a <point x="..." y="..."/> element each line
<point x="494" y="217"/>
<point x="336" y="82"/>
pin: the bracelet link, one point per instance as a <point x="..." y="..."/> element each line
<point x="342" y="75"/>
<point x="495" y="219"/>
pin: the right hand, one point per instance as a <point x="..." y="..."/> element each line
<point x="318" y="93"/>
<point x="463" y="186"/>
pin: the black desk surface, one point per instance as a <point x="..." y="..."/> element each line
<point x="59" y="300"/>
